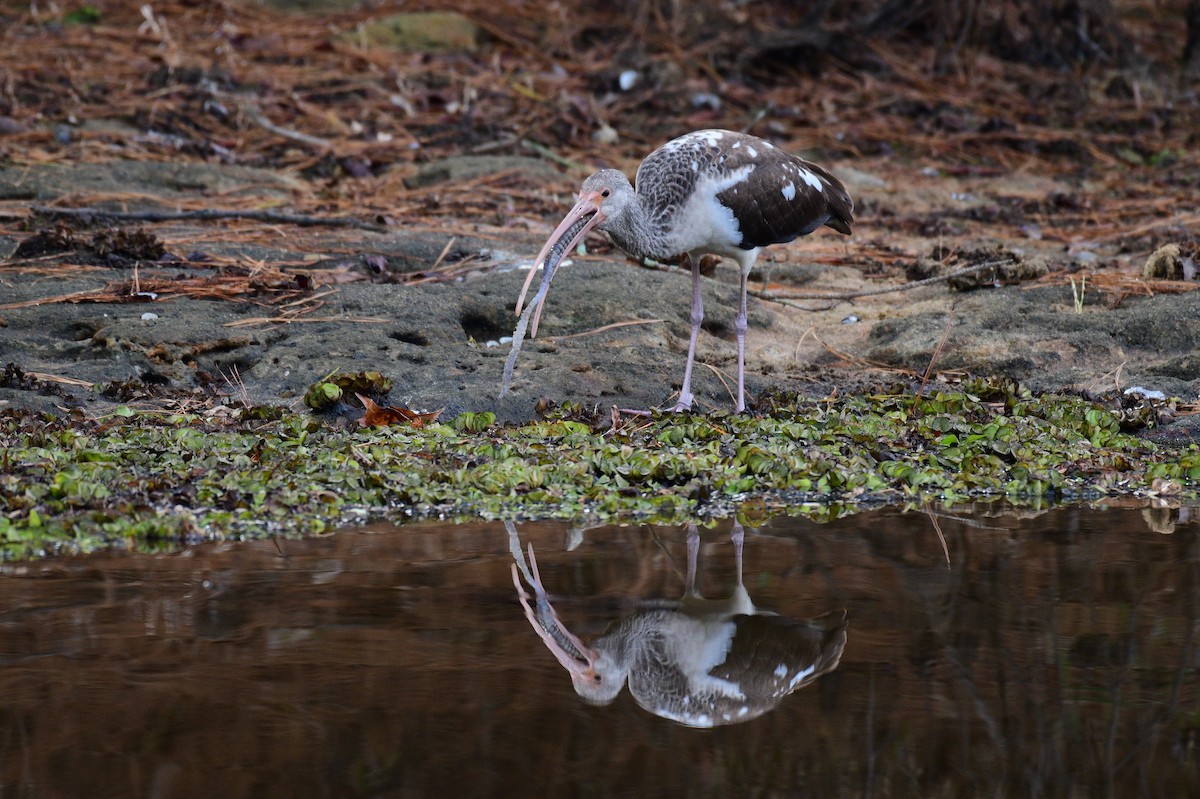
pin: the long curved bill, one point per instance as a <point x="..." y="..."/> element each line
<point x="575" y="225"/>
<point x="575" y="656"/>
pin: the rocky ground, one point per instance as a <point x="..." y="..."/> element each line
<point x="94" y="314"/>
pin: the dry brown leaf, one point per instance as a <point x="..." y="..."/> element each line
<point x="379" y="416"/>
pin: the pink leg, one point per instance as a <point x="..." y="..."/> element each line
<point x="685" y="393"/>
<point x="739" y="328"/>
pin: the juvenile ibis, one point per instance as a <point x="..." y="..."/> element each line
<point x="698" y="662"/>
<point x="711" y="191"/>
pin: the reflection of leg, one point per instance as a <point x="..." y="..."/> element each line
<point x="514" y="547"/>
<point x="693" y="550"/>
<point x="685" y="392"/>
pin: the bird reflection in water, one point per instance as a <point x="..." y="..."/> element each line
<point x="699" y="662"/>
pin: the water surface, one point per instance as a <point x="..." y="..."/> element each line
<point x="1056" y="655"/>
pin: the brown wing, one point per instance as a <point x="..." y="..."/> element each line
<point x="772" y="656"/>
<point x="786" y="197"/>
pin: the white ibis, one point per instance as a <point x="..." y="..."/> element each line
<point x="699" y="662"/>
<point x="711" y="191"/>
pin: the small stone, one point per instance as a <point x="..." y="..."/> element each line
<point x="8" y="126"/>
<point x="149" y="317"/>
<point x="606" y="135"/>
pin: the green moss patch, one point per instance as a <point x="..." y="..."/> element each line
<point x="152" y="480"/>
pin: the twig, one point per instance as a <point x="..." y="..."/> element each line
<point x="937" y="528"/>
<point x="603" y="328"/>
<point x="933" y="358"/>
<point x="1182" y="220"/>
<point x="724" y="381"/>
<point x="74" y="295"/>
<point x="66" y="381"/>
<point x="442" y="254"/>
<point x="888" y="290"/>
<point x="491" y="146"/>
<point x="855" y="360"/>
<point x="550" y="155"/>
<point x="260" y="119"/>
<point x="812" y="331"/>
<point x="307" y="300"/>
<point x="294" y="320"/>
<point x="210" y="214"/>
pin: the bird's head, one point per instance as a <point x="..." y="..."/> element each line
<point x="601" y="680"/>
<point x="596" y="674"/>
<point x="609" y="192"/>
<point x="604" y="197"/>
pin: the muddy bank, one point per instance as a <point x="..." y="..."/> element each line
<point x="439" y="341"/>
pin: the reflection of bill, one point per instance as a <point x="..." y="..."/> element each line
<point x="700" y="662"/>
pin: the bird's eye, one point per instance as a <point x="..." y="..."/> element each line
<point x="605" y="193"/>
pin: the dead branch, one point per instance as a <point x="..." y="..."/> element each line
<point x="604" y="328"/>
<point x="294" y="135"/>
<point x="850" y="295"/>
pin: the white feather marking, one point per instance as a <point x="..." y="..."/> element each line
<point x="800" y="675"/>
<point x="737" y="144"/>
<point x="789" y="191"/>
<point x="695" y="166"/>
<point x="811" y="179"/>
<point x="781" y="670"/>
<point x="752" y="151"/>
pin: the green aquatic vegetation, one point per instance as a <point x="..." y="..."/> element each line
<point x="156" y="481"/>
<point x="325" y="394"/>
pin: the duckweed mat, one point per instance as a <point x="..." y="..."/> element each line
<point x="157" y="481"/>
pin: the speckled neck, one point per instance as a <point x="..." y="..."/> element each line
<point x="638" y="232"/>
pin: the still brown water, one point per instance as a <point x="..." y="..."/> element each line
<point x="1057" y="655"/>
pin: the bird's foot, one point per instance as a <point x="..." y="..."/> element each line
<point x="684" y="404"/>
